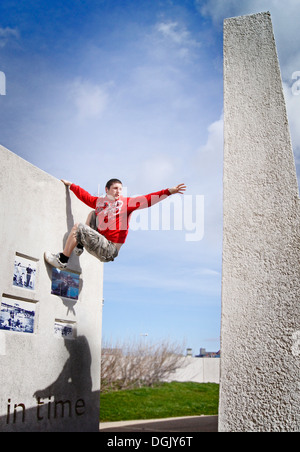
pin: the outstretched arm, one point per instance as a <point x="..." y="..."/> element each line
<point x="66" y="182"/>
<point x="178" y="189"/>
<point x="141" y="202"/>
<point x="81" y="194"/>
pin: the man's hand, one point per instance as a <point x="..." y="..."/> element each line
<point x="178" y="189"/>
<point x="67" y="183"/>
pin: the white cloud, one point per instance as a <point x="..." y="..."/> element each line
<point x="209" y="162"/>
<point x="6" y="34"/>
<point x="215" y="137"/>
<point x="171" y="39"/>
<point x="293" y="108"/>
<point x="177" y="34"/>
<point x="90" y="99"/>
<point x="161" y="170"/>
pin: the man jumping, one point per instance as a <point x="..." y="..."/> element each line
<point x="112" y="214"/>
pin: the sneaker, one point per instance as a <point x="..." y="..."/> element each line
<point x="78" y="250"/>
<point x="53" y="259"/>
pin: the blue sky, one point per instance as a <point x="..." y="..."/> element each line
<point x="133" y="89"/>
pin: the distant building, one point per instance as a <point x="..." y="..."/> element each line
<point x="204" y="354"/>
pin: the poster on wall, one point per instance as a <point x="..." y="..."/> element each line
<point x="64" y="329"/>
<point x="24" y="273"/>
<point x="17" y="315"/>
<point x="65" y="284"/>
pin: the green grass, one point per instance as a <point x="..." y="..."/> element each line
<point x="162" y="401"/>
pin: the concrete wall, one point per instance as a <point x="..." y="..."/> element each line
<point x="198" y="370"/>
<point x="261" y="269"/>
<point x="49" y="381"/>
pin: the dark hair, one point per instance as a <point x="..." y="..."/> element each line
<point x="111" y="182"/>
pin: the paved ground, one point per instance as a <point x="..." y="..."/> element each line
<point x="185" y="424"/>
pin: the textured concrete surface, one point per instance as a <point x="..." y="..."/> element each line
<point x="47" y="383"/>
<point x="260" y="287"/>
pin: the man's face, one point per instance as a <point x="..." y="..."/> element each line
<point x="115" y="190"/>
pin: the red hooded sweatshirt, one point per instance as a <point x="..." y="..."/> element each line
<point x="113" y="216"/>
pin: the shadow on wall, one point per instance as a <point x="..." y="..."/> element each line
<point x="74" y="260"/>
<point x="74" y="263"/>
<point x="68" y="404"/>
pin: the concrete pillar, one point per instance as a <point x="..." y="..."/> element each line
<point x="50" y="322"/>
<point x="260" y="364"/>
